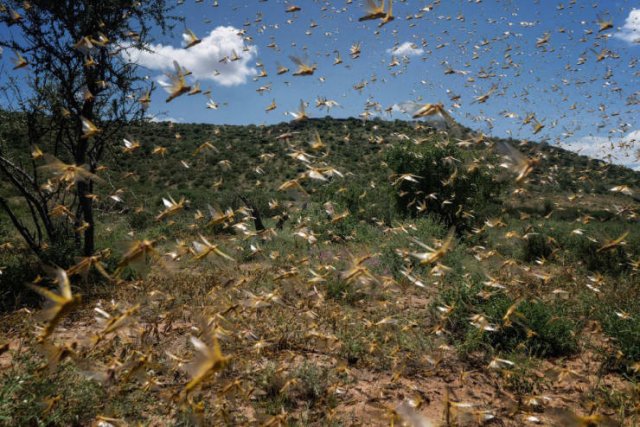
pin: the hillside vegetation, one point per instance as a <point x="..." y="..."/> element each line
<point x="343" y="266"/>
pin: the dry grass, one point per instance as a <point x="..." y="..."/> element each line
<point x="301" y="353"/>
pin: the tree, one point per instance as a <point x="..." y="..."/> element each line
<point x="70" y="92"/>
<point x="444" y="180"/>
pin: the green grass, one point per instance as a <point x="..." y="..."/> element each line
<point x="25" y="394"/>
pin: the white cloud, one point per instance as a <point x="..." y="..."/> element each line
<point x="203" y="59"/>
<point x="406" y="49"/>
<point x="630" y="31"/>
<point x="620" y="151"/>
<point x="396" y="108"/>
<point x="163" y="119"/>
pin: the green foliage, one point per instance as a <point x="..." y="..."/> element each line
<point x="617" y="310"/>
<point x="583" y="249"/>
<point x="585" y="252"/>
<point x="425" y="229"/>
<point x="272" y="382"/>
<point x="62" y="253"/>
<point x="307" y="383"/>
<point x="313" y="383"/>
<point x="519" y="379"/>
<point x="626" y="335"/>
<point x="40" y="120"/>
<point x="140" y="221"/>
<point x="354" y="344"/>
<point x="364" y="202"/>
<point x="341" y="290"/>
<point x="441" y="171"/>
<point x="536" y="246"/>
<point x="23" y="396"/>
<point x="553" y="333"/>
<point x="538" y="329"/>
<point x="390" y="262"/>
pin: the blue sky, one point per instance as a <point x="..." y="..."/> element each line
<point x="473" y="37"/>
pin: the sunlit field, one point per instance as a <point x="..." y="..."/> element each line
<point x="370" y="213"/>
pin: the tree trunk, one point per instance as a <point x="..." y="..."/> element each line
<point x="86" y="206"/>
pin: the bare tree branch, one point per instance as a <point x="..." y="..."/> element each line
<point x="67" y="79"/>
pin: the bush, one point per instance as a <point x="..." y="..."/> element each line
<point x="626" y="335"/>
<point x="340" y="290"/>
<point x="537" y="328"/>
<point x="535" y="246"/>
<point x="313" y="383"/>
<point x="552" y="332"/>
<point x="469" y="191"/>
<point x="585" y="252"/>
<point x="581" y="249"/>
<point x="390" y="262"/>
<point x="618" y="312"/>
<point x="363" y="202"/>
<point x="140" y="221"/>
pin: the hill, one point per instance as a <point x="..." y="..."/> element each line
<point x="344" y="266"/>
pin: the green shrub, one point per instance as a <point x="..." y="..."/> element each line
<point x="139" y="221"/>
<point x="313" y="383"/>
<point x="429" y="228"/>
<point x="547" y="207"/>
<point x="363" y="202"/>
<point x="626" y="335"/>
<point x="619" y="313"/>
<point x="585" y="252"/>
<point x="582" y="250"/>
<point x="367" y="233"/>
<point x="537" y="328"/>
<point x="390" y="262"/>
<point x="271" y="382"/>
<point x="535" y="246"/>
<point x="432" y="162"/>
<point x="340" y="290"/>
<point x="540" y="329"/>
